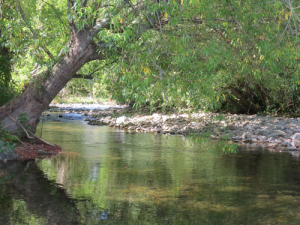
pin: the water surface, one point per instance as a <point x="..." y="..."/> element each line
<point x="108" y="176"/>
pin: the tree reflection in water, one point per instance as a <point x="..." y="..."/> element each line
<point x="27" y="197"/>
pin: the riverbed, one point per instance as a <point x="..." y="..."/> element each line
<point x="107" y="175"/>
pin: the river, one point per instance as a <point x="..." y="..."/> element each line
<point x="109" y="176"/>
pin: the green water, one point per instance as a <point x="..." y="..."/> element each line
<point x="108" y="176"/>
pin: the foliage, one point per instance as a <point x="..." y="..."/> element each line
<point x="24" y="121"/>
<point x="240" y="56"/>
<point x="8" y="141"/>
<point x="6" y="87"/>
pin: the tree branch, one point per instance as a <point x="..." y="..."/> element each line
<point x="100" y="25"/>
<point x="56" y="13"/>
<point x="104" y="22"/>
<point x="28" y="132"/>
<point x="32" y="31"/>
<point x="89" y="76"/>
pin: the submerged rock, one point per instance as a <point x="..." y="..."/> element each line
<point x="96" y="122"/>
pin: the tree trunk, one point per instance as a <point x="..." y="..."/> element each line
<point x="39" y="93"/>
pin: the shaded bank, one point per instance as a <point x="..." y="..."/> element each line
<point x="25" y="151"/>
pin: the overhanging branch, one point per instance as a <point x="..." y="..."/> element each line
<point x="32" y="30"/>
<point x="56" y="13"/>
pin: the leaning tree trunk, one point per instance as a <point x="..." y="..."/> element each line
<point x="39" y="93"/>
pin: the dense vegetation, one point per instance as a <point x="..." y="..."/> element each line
<point x="239" y="56"/>
<point x="6" y="92"/>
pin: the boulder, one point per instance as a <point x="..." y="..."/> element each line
<point x="121" y="119"/>
<point x="296" y="136"/>
<point x="296" y="143"/>
<point x="277" y="133"/>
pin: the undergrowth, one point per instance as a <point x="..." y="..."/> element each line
<point x="8" y="141"/>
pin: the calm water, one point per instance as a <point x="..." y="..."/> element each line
<point x="107" y="176"/>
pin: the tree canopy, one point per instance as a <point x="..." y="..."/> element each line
<point x="242" y="56"/>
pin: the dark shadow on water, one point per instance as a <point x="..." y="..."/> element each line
<point x="25" y="194"/>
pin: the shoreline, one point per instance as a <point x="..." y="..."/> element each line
<point x="277" y="133"/>
<point x="273" y="133"/>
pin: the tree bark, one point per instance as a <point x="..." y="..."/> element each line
<point x="39" y="93"/>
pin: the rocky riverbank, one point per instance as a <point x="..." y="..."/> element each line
<point x="272" y="132"/>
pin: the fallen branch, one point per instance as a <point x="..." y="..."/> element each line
<point x="27" y="131"/>
<point x="19" y="139"/>
<point x="7" y="125"/>
<point x="20" y="125"/>
<point x="40" y="139"/>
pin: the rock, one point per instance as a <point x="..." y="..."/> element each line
<point x="269" y="131"/>
<point x="255" y="127"/>
<point x="10" y="155"/>
<point x="289" y="132"/>
<point x="292" y="148"/>
<point x="145" y="124"/>
<point x="253" y="139"/>
<point x="262" y="132"/>
<point x="96" y="122"/>
<point x="246" y="135"/>
<point x="104" y="114"/>
<point x="291" y="125"/>
<point x="121" y="119"/>
<point x="261" y="138"/>
<point x="296" y="136"/>
<point x="277" y="133"/>
<point x="248" y="127"/>
<point x="296" y="143"/>
<point x="287" y="143"/>
<point x="232" y="127"/>
<point x="278" y="127"/>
